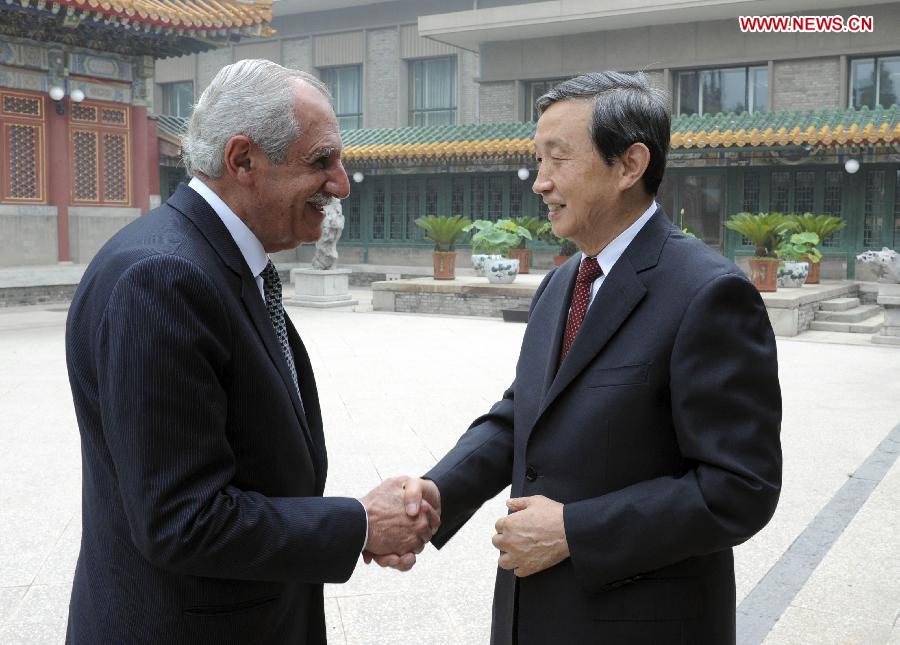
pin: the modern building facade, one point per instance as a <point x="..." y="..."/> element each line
<point x="436" y="101"/>
<point x="78" y="142"/>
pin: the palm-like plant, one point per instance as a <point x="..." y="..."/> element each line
<point x="821" y="225"/>
<point x="566" y="246"/>
<point x="443" y="230"/>
<point x="765" y="231"/>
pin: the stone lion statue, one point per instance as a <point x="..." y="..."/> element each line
<point x="885" y="263"/>
<point x="326" y="248"/>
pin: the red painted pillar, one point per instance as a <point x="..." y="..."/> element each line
<point x="59" y="169"/>
<point x="141" y="181"/>
<point x="153" y="156"/>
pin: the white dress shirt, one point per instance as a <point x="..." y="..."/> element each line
<point x="251" y="248"/>
<point x="611" y="253"/>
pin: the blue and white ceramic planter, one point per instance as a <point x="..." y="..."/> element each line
<point x="478" y="260"/>
<point x="792" y="274"/>
<point x="501" y="270"/>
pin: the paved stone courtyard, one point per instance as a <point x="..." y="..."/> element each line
<point x="396" y="391"/>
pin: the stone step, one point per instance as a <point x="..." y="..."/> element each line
<point x="871" y="326"/>
<point x="854" y="315"/>
<point x="839" y="304"/>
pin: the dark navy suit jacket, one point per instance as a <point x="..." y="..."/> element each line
<point x="660" y="434"/>
<point x="203" y="516"/>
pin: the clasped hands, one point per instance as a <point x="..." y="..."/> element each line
<point x="530" y="539"/>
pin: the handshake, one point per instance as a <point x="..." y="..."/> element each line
<point x="404" y="513"/>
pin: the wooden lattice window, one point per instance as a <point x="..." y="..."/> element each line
<point x="100" y="154"/>
<point x="22" y="146"/>
<point x="84" y="113"/>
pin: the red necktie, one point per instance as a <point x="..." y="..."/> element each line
<point x="588" y="272"/>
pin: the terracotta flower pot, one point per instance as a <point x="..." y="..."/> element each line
<point x="764" y="273"/>
<point x="444" y="265"/>
<point x="524" y="258"/>
<point x="814" y="271"/>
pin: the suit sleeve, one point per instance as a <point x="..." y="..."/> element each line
<point x="726" y="413"/>
<point x="480" y="465"/>
<point x="163" y="347"/>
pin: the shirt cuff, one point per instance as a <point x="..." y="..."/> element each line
<point x="366" y="529"/>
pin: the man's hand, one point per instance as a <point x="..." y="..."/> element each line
<point x="395" y="535"/>
<point x="533" y="537"/>
<point x="419" y="495"/>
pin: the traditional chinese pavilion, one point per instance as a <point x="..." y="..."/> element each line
<point x="78" y="149"/>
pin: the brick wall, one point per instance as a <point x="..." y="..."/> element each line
<point x="468" y="88"/>
<point x="497" y="102"/>
<point x="382" y="78"/>
<point x="811" y="84"/>
<point x="297" y="54"/>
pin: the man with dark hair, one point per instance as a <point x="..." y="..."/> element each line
<point x="641" y="432"/>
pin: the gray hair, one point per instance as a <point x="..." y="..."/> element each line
<point x="251" y="97"/>
<point x="626" y="110"/>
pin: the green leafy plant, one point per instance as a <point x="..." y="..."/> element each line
<point x="799" y="247"/>
<point x="765" y="231"/>
<point x="531" y="224"/>
<point x="821" y="225"/>
<point x="496" y="237"/>
<point x="546" y="234"/>
<point x="443" y="230"/>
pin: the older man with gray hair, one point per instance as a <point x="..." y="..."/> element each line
<point x="203" y="453"/>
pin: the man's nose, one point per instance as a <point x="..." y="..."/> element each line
<point x="338" y="184"/>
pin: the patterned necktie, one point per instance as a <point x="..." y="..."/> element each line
<point x="272" y="290"/>
<point x="588" y="272"/>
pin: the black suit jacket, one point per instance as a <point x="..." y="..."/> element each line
<point x="660" y="434"/>
<point x="203" y="515"/>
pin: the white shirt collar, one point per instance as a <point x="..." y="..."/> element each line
<point x="611" y="253"/>
<point x="251" y="248"/>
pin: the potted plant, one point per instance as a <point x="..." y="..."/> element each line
<point x="496" y="239"/>
<point x="444" y="231"/>
<point x="481" y="247"/>
<point x="765" y="232"/>
<point x="567" y="247"/>
<point x="521" y="252"/>
<point x="796" y="253"/>
<point x="823" y="226"/>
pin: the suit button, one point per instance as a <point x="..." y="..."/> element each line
<point x="531" y="474"/>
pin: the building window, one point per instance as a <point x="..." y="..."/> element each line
<point x="874" y="82"/>
<point x="177" y="98"/>
<point x="873" y="208"/>
<point x="735" y="89"/>
<point x="831" y="203"/>
<point x="432" y="91"/>
<point x="22" y="148"/>
<point x="535" y="90"/>
<point x="99" y="143"/>
<point x="345" y="85"/>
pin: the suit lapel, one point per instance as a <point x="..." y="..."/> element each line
<point x="188" y="202"/>
<point x="622" y="290"/>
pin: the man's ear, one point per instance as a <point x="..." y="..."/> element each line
<point x="634" y="164"/>
<point x="239" y="158"/>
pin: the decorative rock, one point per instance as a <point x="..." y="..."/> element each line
<point x="885" y="263"/>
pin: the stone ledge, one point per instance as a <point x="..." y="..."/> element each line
<point x="786" y="298"/>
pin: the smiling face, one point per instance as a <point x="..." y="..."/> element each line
<point x="579" y="188"/>
<point x="287" y="200"/>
